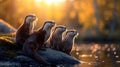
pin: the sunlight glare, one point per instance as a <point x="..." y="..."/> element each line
<point x="85" y="55"/>
<point x="38" y="0"/>
<point x="54" y="1"/>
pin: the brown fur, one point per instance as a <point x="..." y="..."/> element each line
<point x="24" y="31"/>
<point x="68" y="42"/>
<point x="46" y="33"/>
<point x="30" y="48"/>
<point x="56" y="37"/>
<point x="35" y="41"/>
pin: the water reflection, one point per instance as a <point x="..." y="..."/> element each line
<point x="97" y="55"/>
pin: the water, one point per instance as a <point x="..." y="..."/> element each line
<point x="97" y="55"/>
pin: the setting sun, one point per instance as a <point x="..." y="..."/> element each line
<point x="53" y="1"/>
<point x="38" y="0"/>
<point x="50" y="1"/>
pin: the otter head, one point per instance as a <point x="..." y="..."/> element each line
<point x="30" y="20"/>
<point x="48" y="25"/>
<point x="72" y="33"/>
<point x="60" y="29"/>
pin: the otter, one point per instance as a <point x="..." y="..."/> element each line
<point x="30" y="48"/>
<point x="68" y="41"/>
<point x="25" y="29"/>
<point x="37" y="40"/>
<point x="56" y="37"/>
<point x="45" y="32"/>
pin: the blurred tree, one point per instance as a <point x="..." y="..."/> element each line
<point x="71" y="16"/>
<point x="7" y="11"/>
<point x="114" y="22"/>
<point x="89" y="17"/>
<point x="96" y="16"/>
<point x="108" y="16"/>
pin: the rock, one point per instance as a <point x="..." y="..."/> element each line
<point x="7" y="44"/>
<point x="6" y="28"/>
<point x="25" y="61"/>
<point x="52" y="56"/>
<point x="57" y="57"/>
<point x="10" y="53"/>
<point x="9" y="64"/>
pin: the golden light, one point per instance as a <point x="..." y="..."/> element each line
<point x="50" y="1"/>
<point x="85" y="55"/>
<point x="38" y="0"/>
<point x="54" y="1"/>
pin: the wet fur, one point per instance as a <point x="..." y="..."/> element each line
<point x="31" y="45"/>
<point x="68" y="43"/>
<point x="34" y="42"/>
<point x="56" y="37"/>
<point x="24" y="31"/>
<point x="47" y="32"/>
